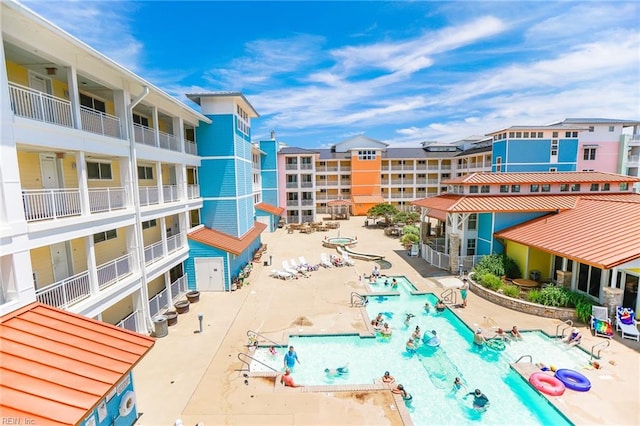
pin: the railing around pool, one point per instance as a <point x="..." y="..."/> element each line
<point x="449" y="296"/>
<point x="567" y="324"/>
<point x="607" y="342"/>
<point x="358" y="300"/>
<point x="253" y="337"/>
<point x="523" y="357"/>
<point x="243" y="359"/>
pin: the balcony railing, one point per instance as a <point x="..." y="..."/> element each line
<point x="292" y="203"/>
<point x="633" y="158"/>
<point x="345" y="168"/>
<point x="114" y="271"/>
<point x="153" y="252"/>
<point x="99" y="122"/>
<point x="144" y="135"/>
<point x="130" y="322"/>
<point x="305" y="166"/>
<point x="42" y="204"/>
<point x="168" y="141"/>
<point x="170" y="193"/>
<point x="291" y="167"/>
<point x="190" y="147"/>
<point x="66" y="292"/>
<point x="307" y="218"/>
<point x="107" y="199"/>
<point x="292" y="184"/>
<point x="193" y="191"/>
<point x="29" y="103"/>
<point x="158" y="303"/>
<point x="149" y="195"/>
<point x="179" y="287"/>
<point x="306" y="184"/>
<point x="307" y="202"/>
<point x="174" y="243"/>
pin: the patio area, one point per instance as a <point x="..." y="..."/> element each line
<point x="195" y="376"/>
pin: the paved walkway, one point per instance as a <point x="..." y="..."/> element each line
<point x="194" y="376"/>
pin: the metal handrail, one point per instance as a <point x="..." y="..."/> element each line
<point x="449" y="296"/>
<point x="525" y="356"/>
<point x="248" y="364"/>
<point x="568" y="324"/>
<point x="254" y="335"/>
<point x="355" y="297"/>
<point x="608" y="342"/>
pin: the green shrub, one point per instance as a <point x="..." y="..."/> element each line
<point x="499" y="265"/>
<point x="409" y="239"/>
<point x="554" y="296"/>
<point x="534" y="296"/>
<point x="491" y="281"/>
<point x="410" y="229"/>
<point x="511" y="290"/>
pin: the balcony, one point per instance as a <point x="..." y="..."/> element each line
<point x="307" y="202"/>
<point x="306" y="166"/>
<point x="292" y="184"/>
<point x="193" y="191"/>
<point x="130" y="322"/>
<point x="190" y="147"/>
<point x="306" y="184"/>
<point x="292" y="203"/>
<point x="327" y="169"/>
<point x="168" y="141"/>
<point x="175" y="242"/>
<point x="155" y="251"/>
<point x="107" y="199"/>
<point x="111" y="272"/>
<point x="633" y="159"/>
<point x="29" y="103"/>
<point x="42" y="204"/>
<point x="170" y="193"/>
<point x="100" y="123"/>
<point x="307" y="218"/>
<point x="149" y="195"/>
<point x="291" y="167"/>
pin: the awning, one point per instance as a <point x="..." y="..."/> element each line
<point x="227" y="242"/>
<point x="266" y="207"/>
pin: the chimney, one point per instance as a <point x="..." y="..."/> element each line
<point x="273" y="135"/>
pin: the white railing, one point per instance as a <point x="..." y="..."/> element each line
<point x="306" y="184"/>
<point x="384" y="182"/>
<point x="99" y="122"/>
<point x="66" y="292"/>
<point x="174" y="243"/>
<point x="432" y="181"/>
<point x="307" y="202"/>
<point x="29" y="103"/>
<point x="305" y="166"/>
<point x="321" y="183"/>
<point x="179" y="287"/>
<point x="306" y="219"/>
<point x="114" y="271"/>
<point x="291" y="166"/>
<point x="143" y="134"/>
<point x="193" y="191"/>
<point x="401" y="195"/>
<point x="435" y="258"/>
<point x="292" y="184"/>
<point x="168" y="141"/>
<point x="148" y="195"/>
<point x="345" y="168"/>
<point x="107" y="199"/>
<point x="292" y="203"/>
<point x="158" y="303"/>
<point x="153" y="252"/>
<point x="170" y="193"/>
<point x="41" y="204"/>
<point x="130" y="322"/>
<point x="190" y="147"/>
<point x="633" y="158"/>
<point x="468" y="262"/>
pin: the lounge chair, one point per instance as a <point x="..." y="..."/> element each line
<point x="600" y="322"/>
<point x="625" y="323"/>
<point x="302" y="270"/>
<point x="286" y="268"/>
<point x="324" y="260"/>
<point x="347" y="260"/>
<point x="276" y="273"/>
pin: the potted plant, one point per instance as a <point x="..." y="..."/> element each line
<point x="182" y="306"/>
<point x="172" y="317"/>
<point x="193" y="296"/>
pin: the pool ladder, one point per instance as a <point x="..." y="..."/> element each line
<point x="243" y="359"/>
<point x="358" y="300"/>
<point x="254" y="335"/>
<point x="567" y="324"/>
<point x="523" y="357"/>
<point x="600" y="349"/>
<point x="449" y="296"/>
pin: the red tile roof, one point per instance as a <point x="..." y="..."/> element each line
<point x="227" y="242"/>
<point x="600" y="232"/>
<point x="56" y="366"/>
<point x="498" y="203"/>
<point x="479" y="178"/>
<point x="265" y="207"/>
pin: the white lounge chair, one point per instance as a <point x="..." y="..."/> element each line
<point x="287" y="268"/>
<point x="276" y="273"/>
<point x="600" y="322"/>
<point x="347" y="260"/>
<point x="626" y="324"/>
<point x="302" y="270"/>
<point x="324" y="260"/>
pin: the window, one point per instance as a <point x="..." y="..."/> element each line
<point x="612" y="128"/>
<point x="498" y="164"/>
<point x="624" y="186"/>
<point x="243" y="120"/>
<point x="534" y="188"/>
<point x="484" y="189"/>
<point x="99" y="171"/>
<point x="540" y="134"/>
<point x="546" y="187"/>
<point x="591" y="129"/>
<point x="471" y="247"/>
<point x="145" y="172"/>
<point x="104" y="236"/>
<point x="366" y="155"/>
<point x="472" y="225"/>
<point x="575" y="187"/>
<point x="554" y="135"/>
<point x="564" y="187"/>
<point x="504" y="188"/>
<point x="567" y="134"/>
<point x="345" y="190"/>
<point x="511" y="134"/>
<point x="518" y="134"/>
<point x="554" y="147"/>
<point x="605" y="187"/>
<point x="138" y="119"/>
<point x="525" y="135"/>
<point x="515" y="188"/>
<point x="149" y="224"/>
<point x="589" y="154"/>
<point x="594" y="187"/>
<point x="92" y="103"/>
<point x="473" y="189"/>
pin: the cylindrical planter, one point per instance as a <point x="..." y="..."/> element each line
<point x="172" y="317"/>
<point x="182" y="306"/>
<point x="193" y="296"/>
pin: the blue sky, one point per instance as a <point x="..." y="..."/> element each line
<point x="400" y="72"/>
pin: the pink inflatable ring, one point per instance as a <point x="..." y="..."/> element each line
<point x="547" y="384"/>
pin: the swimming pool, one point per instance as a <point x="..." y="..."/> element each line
<point x="428" y="374"/>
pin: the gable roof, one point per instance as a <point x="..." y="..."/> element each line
<point x="572" y="233"/>
<point x="359" y="142"/>
<point x="57" y="365"/>
<point x="227" y="242"/>
<point x="266" y="207"/>
<point x="498" y="203"/>
<point x="478" y="178"/>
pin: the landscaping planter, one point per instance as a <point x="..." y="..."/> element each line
<point x="182" y="306"/>
<point x="172" y="317"/>
<point x="193" y="296"/>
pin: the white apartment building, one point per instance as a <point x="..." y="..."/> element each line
<point x="98" y="179"/>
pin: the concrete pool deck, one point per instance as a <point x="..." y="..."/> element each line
<point x="196" y="377"/>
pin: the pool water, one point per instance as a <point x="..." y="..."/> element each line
<point x="428" y="373"/>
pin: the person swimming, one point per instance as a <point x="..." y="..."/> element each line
<point x="440" y="306"/>
<point x="402" y="391"/>
<point x="480" y="400"/>
<point x="407" y="319"/>
<point x="416" y="333"/>
<point x="478" y="338"/>
<point x="457" y="385"/>
<point x="427" y="307"/>
<point x="410" y="346"/>
<point x="386" y="330"/>
<point x="340" y="371"/>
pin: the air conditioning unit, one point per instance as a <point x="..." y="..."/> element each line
<point x="564" y="278"/>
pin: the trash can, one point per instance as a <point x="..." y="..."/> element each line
<point x="535" y="275"/>
<point x="161" y="326"/>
